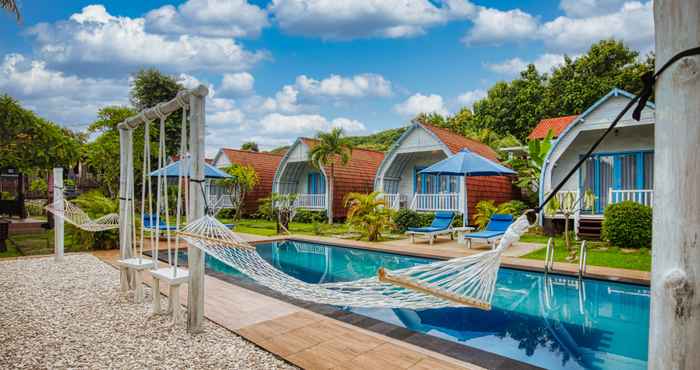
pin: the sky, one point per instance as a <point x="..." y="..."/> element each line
<point x="280" y="69"/>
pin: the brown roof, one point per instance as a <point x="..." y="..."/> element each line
<point x="456" y="142"/>
<point x="557" y="125"/>
<point x="265" y="164"/>
<point x="355" y="176"/>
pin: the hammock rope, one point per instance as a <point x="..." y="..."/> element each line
<point x="78" y="218"/>
<point x="464" y="281"/>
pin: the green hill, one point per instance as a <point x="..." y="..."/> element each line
<point x="380" y="141"/>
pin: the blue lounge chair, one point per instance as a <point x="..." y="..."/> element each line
<point x="149" y="222"/>
<point x="494" y="230"/>
<point x="442" y="224"/>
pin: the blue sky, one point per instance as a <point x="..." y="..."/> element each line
<point x="279" y="69"/>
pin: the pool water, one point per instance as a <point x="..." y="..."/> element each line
<point x="552" y="321"/>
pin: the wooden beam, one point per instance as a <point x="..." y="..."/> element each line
<point x="674" y="331"/>
<point x="165" y="108"/>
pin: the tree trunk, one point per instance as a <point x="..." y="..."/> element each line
<point x="674" y="330"/>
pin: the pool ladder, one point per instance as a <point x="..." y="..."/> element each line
<point x="549" y="256"/>
<point x="583" y="257"/>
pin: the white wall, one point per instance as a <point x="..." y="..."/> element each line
<point x="221" y="160"/>
<point x="299" y="153"/>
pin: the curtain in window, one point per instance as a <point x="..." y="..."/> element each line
<point x="648" y="170"/>
<point x="628" y="171"/>
<point x="606" y="179"/>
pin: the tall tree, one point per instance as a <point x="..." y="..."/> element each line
<point x="150" y="87"/>
<point x="251" y="146"/>
<point x="11" y="6"/>
<point x="243" y="181"/>
<point x="30" y="142"/>
<point x="332" y="149"/>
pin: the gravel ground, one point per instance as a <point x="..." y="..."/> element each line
<point x="71" y="315"/>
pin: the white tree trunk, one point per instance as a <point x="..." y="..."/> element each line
<point x="58" y="221"/>
<point x="674" y="333"/>
<point x="195" y="257"/>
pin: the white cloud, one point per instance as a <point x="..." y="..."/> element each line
<point x="344" y="20"/>
<point x="237" y="83"/>
<point x="218" y="18"/>
<point x="284" y="100"/>
<point x="419" y="103"/>
<point x="65" y="99"/>
<point x="305" y="124"/>
<point x="588" y="8"/>
<point x="96" y="38"/>
<point x="188" y="81"/>
<point x="632" y="23"/>
<point x="470" y="97"/>
<point x="366" y="84"/>
<point x="495" y="26"/>
<point x="544" y="64"/>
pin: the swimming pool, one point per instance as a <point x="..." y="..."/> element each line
<point x="552" y="321"/>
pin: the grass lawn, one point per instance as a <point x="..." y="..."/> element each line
<point x="36" y="243"/>
<point x="599" y="253"/>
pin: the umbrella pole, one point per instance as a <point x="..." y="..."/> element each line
<point x="465" y="203"/>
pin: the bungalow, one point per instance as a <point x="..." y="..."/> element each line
<point x="264" y="164"/>
<point x="421" y="146"/>
<point x="620" y="169"/>
<point x="297" y="175"/>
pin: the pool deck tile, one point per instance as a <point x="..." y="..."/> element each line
<point x="302" y="337"/>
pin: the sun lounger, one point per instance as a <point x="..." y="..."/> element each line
<point x="494" y="230"/>
<point x="442" y="224"/>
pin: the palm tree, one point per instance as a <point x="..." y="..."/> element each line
<point x="368" y="213"/>
<point x="11" y="6"/>
<point x="331" y="148"/>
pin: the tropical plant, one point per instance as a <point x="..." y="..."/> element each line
<point x="39" y="185"/>
<point x="11" y="6"/>
<point x="567" y="204"/>
<point x="282" y="206"/>
<point x="95" y="204"/>
<point x="485" y="209"/>
<point x="368" y="214"/>
<point x="251" y="146"/>
<point x="243" y="180"/>
<point x="331" y="149"/>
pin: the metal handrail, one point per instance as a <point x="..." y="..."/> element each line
<point x="549" y="256"/>
<point x="583" y="256"/>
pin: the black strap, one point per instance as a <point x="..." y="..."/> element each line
<point x="649" y="80"/>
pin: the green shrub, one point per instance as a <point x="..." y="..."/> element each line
<point x="39" y="186"/>
<point x="306" y="216"/>
<point x="6" y="195"/>
<point x="514" y="207"/>
<point x="265" y="210"/>
<point x="405" y="218"/>
<point x="627" y="225"/>
<point x="35" y="207"/>
<point x="487" y="208"/>
<point x="95" y="204"/>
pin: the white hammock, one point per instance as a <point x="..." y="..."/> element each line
<point x="78" y="218"/>
<point x="464" y="281"/>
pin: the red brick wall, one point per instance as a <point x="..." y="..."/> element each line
<point x="497" y="188"/>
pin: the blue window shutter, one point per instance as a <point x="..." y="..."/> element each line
<point x="639" y="158"/>
<point x="617" y="172"/>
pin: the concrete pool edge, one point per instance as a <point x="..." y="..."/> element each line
<point x="423" y="250"/>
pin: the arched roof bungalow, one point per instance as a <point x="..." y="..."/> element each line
<point x="297" y="175"/>
<point x="423" y="145"/>
<point x="620" y="169"/>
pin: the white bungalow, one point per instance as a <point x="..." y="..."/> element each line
<point x="421" y="146"/>
<point x="620" y="169"/>
<point x="297" y="175"/>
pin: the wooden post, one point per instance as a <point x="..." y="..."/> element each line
<point x="58" y="239"/>
<point x="674" y="332"/>
<point x="125" y="165"/>
<point x="195" y="257"/>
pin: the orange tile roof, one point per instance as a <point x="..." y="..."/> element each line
<point x="456" y="142"/>
<point x="557" y="125"/>
<point x="355" y="176"/>
<point x="265" y="164"/>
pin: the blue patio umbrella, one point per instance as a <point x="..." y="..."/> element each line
<point x="173" y="169"/>
<point x="467" y="163"/>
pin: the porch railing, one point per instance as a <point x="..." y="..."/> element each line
<point x="641" y="196"/>
<point x="394" y="201"/>
<point x="436" y="202"/>
<point x="310" y="201"/>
